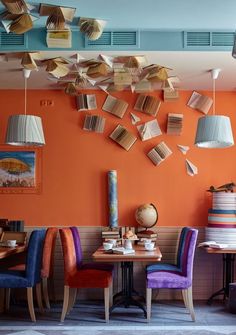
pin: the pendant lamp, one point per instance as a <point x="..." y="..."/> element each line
<point x="214" y="131"/>
<point x="25" y="130"/>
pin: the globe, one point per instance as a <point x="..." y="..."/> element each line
<point x="146" y="215"/>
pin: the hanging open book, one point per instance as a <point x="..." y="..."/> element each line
<point x="86" y="102"/>
<point x="97" y="70"/>
<point x="123" y="137"/>
<point x="170" y="94"/>
<point x="93" y="28"/>
<point x="57" y="67"/>
<point x="149" y="130"/>
<point x="59" y="38"/>
<point x="174" y="124"/>
<point x="159" y="153"/>
<point x="200" y="102"/>
<point x="94" y="123"/>
<point x="147" y="104"/>
<point x="115" y="106"/>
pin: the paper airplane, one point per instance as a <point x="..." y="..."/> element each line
<point x="104" y="88"/>
<point x="107" y="59"/>
<point x="134" y="118"/>
<point x="183" y="148"/>
<point x="191" y="168"/>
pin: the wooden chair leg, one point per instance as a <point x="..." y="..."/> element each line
<point x="184" y="294"/>
<point x="149" y="303"/>
<point x="39" y="297"/>
<point x="65" y="302"/>
<point x="106" y="301"/>
<point x="31" y="303"/>
<point x="189" y="295"/>
<point x="45" y="292"/>
<point x="7" y="297"/>
<point x="72" y="299"/>
<point x="111" y="294"/>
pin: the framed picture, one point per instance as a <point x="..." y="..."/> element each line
<point x="20" y="170"/>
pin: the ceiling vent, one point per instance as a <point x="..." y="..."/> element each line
<point x="115" y="39"/>
<point x="208" y="39"/>
<point x="12" y="41"/>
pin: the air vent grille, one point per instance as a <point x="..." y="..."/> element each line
<point x="105" y="39"/>
<point x="115" y="39"/>
<point x="124" y="38"/>
<point x="11" y="39"/>
<point x="223" y="39"/>
<point x="195" y="39"/>
<point x="208" y="39"/>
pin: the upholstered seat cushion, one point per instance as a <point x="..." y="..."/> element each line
<point x="98" y="266"/>
<point x="88" y="278"/>
<point x="12" y="279"/>
<point x="162" y="279"/>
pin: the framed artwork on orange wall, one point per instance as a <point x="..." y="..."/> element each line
<point x="20" y="170"/>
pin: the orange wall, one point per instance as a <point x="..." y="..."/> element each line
<point x="75" y="165"/>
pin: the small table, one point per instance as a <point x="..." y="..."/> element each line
<point x="6" y="252"/>
<point x="228" y="258"/>
<point x="126" y="295"/>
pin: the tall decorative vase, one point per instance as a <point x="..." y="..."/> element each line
<point x="113" y="203"/>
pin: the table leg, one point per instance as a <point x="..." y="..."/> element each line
<point x="228" y="277"/>
<point x="2" y="300"/>
<point x="125" y="297"/>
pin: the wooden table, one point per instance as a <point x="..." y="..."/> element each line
<point x="6" y="252"/>
<point x="228" y="258"/>
<point x="126" y="295"/>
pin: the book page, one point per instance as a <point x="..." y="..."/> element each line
<point x="149" y="130"/>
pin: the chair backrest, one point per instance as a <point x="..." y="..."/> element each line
<point x="48" y="252"/>
<point x="19" y="236"/>
<point x="186" y="250"/>
<point x="34" y="256"/>
<point x="78" y="249"/>
<point x="67" y="242"/>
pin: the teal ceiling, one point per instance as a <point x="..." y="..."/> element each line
<point x="156" y="14"/>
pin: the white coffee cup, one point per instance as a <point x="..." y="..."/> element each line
<point x="107" y="246"/>
<point x="11" y="243"/>
<point x="149" y="246"/>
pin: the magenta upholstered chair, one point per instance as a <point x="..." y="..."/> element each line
<point x="175" y="276"/>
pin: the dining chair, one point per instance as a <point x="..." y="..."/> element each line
<point x="77" y="278"/>
<point x="47" y="264"/>
<point x="81" y="265"/>
<point x="29" y="278"/>
<point x="175" y="276"/>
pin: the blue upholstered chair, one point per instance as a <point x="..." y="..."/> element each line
<point x="32" y="275"/>
<point x="175" y="276"/>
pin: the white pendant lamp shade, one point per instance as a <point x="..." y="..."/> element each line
<point x="25" y="130"/>
<point x="214" y="132"/>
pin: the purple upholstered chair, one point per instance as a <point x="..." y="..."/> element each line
<point x="82" y="265"/>
<point x="179" y="276"/>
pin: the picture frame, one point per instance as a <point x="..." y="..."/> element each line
<point x="20" y="170"/>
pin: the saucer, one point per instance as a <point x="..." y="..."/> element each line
<point x="150" y="250"/>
